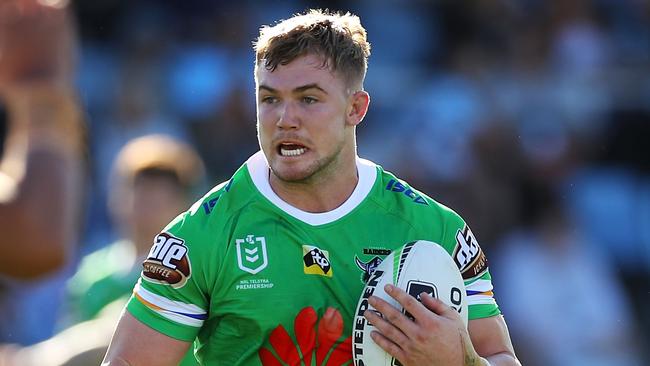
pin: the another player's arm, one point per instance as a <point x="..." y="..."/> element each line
<point x="135" y="344"/>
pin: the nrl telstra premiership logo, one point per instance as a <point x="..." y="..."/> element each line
<point x="251" y="254"/>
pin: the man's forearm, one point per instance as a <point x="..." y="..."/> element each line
<point x="499" y="359"/>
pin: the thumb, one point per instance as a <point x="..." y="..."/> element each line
<point x="436" y="305"/>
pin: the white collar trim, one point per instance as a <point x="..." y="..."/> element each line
<point x="258" y="169"/>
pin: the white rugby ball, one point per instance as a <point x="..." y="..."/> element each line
<point x="416" y="267"/>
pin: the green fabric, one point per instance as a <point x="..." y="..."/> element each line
<point x="256" y="312"/>
<point x="103" y="277"/>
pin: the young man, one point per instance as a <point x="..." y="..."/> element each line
<point x="268" y="267"/>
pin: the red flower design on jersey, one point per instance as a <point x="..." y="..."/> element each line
<point x="322" y="339"/>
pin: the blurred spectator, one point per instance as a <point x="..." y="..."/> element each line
<point x="154" y="178"/>
<point x="41" y="185"/>
<point x="563" y="300"/>
<point x="228" y="136"/>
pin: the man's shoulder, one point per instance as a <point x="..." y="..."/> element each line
<point x="400" y="196"/>
<point x="219" y="203"/>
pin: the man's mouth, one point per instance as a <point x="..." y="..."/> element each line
<point x="287" y="149"/>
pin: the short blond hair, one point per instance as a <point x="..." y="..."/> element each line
<point x="159" y="152"/>
<point x="339" y="39"/>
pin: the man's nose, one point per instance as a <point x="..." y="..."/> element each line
<point x="288" y="118"/>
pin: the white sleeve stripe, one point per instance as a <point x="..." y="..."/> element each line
<point x="480" y="300"/>
<point x="167" y="304"/>
<point x="177" y="311"/>
<point x="479" y="286"/>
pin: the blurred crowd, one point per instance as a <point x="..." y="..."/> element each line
<point x="530" y="118"/>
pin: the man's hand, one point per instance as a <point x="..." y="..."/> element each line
<point x="41" y="169"/>
<point x="37" y="60"/>
<point x="436" y="335"/>
<point x="37" y="43"/>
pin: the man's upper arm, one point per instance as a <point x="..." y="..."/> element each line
<point x="136" y="344"/>
<point x="490" y="337"/>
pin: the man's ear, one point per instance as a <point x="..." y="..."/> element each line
<point x="358" y="107"/>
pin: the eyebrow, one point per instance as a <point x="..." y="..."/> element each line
<point x="295" y="90"/>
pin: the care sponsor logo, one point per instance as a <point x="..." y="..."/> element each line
<point x="251" y="254"/>
<point x="468" y="255"/>
<point x="167" y="262"/>
<point x="316" y="261"/>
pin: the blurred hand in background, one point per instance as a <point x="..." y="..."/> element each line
<point x="41" y="167"/>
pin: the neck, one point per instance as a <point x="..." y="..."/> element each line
<point x="321" y="194"/>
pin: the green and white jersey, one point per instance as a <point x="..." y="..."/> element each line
<point x="256" y="281"/>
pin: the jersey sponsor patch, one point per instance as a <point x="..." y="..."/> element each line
<point x="468" y="255"/>
<point x="316" y="261"/>
<point x="395" y="186"/>
<point x="167" y="262"/>
<point x="308" y="340"/>
<point x="251" y="254"/>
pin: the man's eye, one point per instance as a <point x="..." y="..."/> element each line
<point x="269" y="100"/>
<point x="309" y="100"/>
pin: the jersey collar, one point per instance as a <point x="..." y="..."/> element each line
<point x="258" y="169"/>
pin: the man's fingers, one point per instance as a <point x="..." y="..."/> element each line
<point x="438" y="306"/>
<point x="37" y="43"/>
<point x="57" y="4"/>
<point x="409" y="303"/>
<point x="386" y="328"/>
<point x="391" y="321"/>
<point x="387" y="345"/>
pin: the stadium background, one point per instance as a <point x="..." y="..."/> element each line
<point x="531" y="118"/>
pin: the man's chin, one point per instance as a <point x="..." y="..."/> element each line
<point x="291" y="175"/>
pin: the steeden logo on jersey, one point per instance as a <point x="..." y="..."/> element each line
<point x="316" y="261"/>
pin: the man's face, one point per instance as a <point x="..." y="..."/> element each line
<point x="143" y="207"/>
<point x="301" y="118"/>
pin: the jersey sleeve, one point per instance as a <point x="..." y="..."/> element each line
<point x="473" y="265"/>
<point x="171" y="295"/>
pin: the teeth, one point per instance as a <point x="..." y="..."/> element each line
<point x="292" y="152"/>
